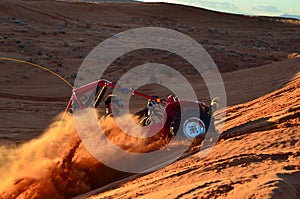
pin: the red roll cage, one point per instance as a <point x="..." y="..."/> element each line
<point x="103" y="85"/>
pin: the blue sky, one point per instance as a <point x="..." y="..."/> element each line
<point x="250" y="7"/>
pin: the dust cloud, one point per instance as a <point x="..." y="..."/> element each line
<point x="57" y="164"/>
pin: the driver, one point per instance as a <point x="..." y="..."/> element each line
<point x="113" y="105"/>
<point x="172" y="98"/>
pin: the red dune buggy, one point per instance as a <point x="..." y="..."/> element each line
<point x="185" y="118"/>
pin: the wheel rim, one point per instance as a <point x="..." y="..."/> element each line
<point x="193" y="127"/>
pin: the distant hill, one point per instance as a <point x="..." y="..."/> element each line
<point x="103" y="1"/>
<point x="291" y="16"/>
<point x="107" y="1"/>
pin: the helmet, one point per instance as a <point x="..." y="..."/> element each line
<point x="172" y="98"/>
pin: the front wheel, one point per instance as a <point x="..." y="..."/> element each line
<point x="193" y="127"/>
<point x="193" y="124"/>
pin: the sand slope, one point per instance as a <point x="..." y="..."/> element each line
<point x="258" y="152"/>
<point x="257" y="156"/>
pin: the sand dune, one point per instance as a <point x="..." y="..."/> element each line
<point x="257" y="154"/>
<point x="257" y="134"/>
<point x="52" y="34"/>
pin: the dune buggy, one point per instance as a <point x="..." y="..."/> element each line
<point x="171" y="116"/>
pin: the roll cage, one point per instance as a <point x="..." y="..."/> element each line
<point x="98" y="90"/>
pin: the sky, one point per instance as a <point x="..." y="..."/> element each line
<point x="248" y="7"/>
